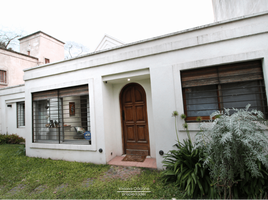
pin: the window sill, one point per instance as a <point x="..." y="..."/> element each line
<point x="190" y="130"/>
<point x="195" y="127"/>
<point x="63" y="147"/>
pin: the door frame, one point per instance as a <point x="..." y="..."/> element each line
<point x="121" y="116"/>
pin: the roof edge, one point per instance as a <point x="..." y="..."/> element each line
<point x="22" y="38"/>
<point x="22" y="54"/>
<point x="13" y="86"/>
<point x="155" y="38"/>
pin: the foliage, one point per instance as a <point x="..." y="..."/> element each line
<point x="74" y="49"/>
<point x="23" y="177"/>
<point x="252" y="187"/>
<point x="183" y="116"/>
<point x="11" y="139"/>
<point x="234" y="145"/>
<point x="9" y="38"/>
<point x="184" y="166"/>
<point x="175" y="114"/>
<point x="185" y="125"/>
<point x="199" y="119"/>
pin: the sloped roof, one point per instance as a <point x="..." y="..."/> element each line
<point x="108" y="42"/>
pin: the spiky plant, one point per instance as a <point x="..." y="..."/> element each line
<point x="184" y="166"/>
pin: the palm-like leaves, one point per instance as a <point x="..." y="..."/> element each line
<point x="185" y="167"/>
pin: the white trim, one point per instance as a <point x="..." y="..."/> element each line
<point x="62" y="147"/>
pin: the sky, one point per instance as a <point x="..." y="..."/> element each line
<point x="87" y="21"/>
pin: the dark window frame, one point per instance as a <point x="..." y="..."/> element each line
<point x="3" y="76"/>
<point x="52" y="122"/>
<point x="47" y="61"/>
<point x="221" y="77"/>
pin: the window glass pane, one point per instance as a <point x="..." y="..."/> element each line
<point x="62" y="120"/>
<point x="238" y="95"/>
<point x="76" y="119"/>
<point x="21" y="114"/>
<point x="201" y="101"/>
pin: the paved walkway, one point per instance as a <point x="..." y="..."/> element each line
<point x="148" y="162"/>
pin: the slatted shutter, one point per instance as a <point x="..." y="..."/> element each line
<point x="230" y="73"/>
<point x="209" y="89"/>
<point x="74" y="91"/>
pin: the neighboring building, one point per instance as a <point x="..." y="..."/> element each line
<point x="35" y="49"/>
<point x="42" y="46"/>
<point x="227" y="9"/>
<point x="125" y="95"/>
<point x="108" y="42"/>
<point x="12" y="64"/>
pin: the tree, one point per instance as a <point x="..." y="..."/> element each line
<point x="9" y="38"/>
<point x="73" y="49"/>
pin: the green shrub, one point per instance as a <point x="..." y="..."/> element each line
<point x="236" y="147"/>
<point x="184" y="166"/>
<point x="2" y="139"/>
<point x="252" y="187"/>
<point x="11" y="139"/>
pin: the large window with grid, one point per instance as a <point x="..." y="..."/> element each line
<point x="210" y="89"/>
<point x="61" y="116"/>
<point x="20" y="114"/>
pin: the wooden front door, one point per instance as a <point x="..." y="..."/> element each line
<point x="134" y="120"/>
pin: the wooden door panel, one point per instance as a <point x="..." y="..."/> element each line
<point x="140" y="113"/>
<point x="129" y="113"/>
<point x="134" y="120"/>
<point x="130" y="133"/>
<point x="138" y="95"/>
<point x="128" y="97"/>
<point x="141" y="134"/>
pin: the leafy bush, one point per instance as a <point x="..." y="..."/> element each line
<point x="236" y="147"/>
<point x="11" y="139"/>
<point x="2" y="139"/>
<point x="252" y="187"/>
<point x="184" y="166"/>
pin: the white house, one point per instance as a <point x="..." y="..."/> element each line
<point x="125" y="95"/>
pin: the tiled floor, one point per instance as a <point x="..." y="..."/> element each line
<point x="148" y="162"/>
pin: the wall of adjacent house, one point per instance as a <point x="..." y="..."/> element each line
<point x="227" y="9"/>
<point x="156" y="65"/>
<point x="14" y="63"/>
<point x="42" y="46"/>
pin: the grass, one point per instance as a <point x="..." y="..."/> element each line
<point x="23" y="177"/>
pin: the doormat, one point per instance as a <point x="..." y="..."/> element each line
<point x="134" y="158"/>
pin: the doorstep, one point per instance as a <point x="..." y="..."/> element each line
<point x="147" y="163"/>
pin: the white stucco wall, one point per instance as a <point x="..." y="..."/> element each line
<point x="112" y="115"/>
<point x="8" y="115"/>
<point x="228" y="9"/>
<point x="155" y="64"/>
